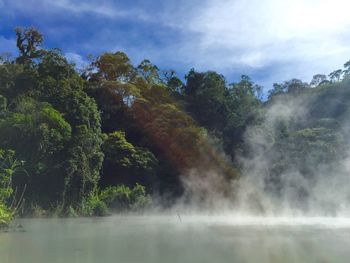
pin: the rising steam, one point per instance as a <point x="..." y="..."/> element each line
<point x="321" y="191"/>
<point x="324" y="191"/>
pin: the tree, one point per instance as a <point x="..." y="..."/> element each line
<point x="29" y="41"/>
<point x="8" y="167"/>
<point x="39" y="134"/>
<point x="204" y="95"/>
<point x="51" y="123"/>
<point x="111" y="67"/>
<point x="244" y="110"/>
<point x="173" y="83"/>
<point x="277" y="89"/>
<point x="111" y="82"/>
<point x="346" y="70"/>
<point x="148" y="71"/>
<point x="336" y="75"/>
<point x="293" y="86"/>
<point x="318" y="79"/>
<point x="3" y="106"/>
<point x="125" y="163"/>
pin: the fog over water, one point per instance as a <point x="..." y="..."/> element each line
<point x="167" y="239"/>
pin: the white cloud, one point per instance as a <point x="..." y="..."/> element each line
<point x="104" y="8"/>
<point x="274" y="40"/>
<point x="308" y="36"/>
<point x="77" y="59"/>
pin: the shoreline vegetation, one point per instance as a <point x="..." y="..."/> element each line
<point x="113" y="136"/>
<point x="6" y="216"/>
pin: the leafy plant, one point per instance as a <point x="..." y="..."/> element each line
<point x="6" y="215"/>
<point x="93" y="206"/>
<point x="122" y="197"/>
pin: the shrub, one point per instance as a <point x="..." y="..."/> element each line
<point x="93" y="206"/>
<point x="99" y="208"/>
<point x="8" y="165"/>
<point x="5" y="215"/>
<point x="71" y="212"/>
<point x="139" y="198"/>
<point x="122" y="197"/>
<point x="116" y="197"/>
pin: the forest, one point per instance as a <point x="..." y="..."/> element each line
<point x="115" y="137"/>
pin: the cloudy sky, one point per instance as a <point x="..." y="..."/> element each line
<point x="270" y="40"/>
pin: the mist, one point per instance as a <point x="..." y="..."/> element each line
<point x="286" y="170"/>
<point x="323" y="191"/>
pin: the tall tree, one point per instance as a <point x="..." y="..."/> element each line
<point x="204" y="95"/>
<point x="29" y="41"/>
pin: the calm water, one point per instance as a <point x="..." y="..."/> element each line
<point x="153" y="239"/>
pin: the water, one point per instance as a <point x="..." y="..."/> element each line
<point x="163" y="239"/>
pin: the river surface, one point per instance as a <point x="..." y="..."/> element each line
<point x="175" y="238"/>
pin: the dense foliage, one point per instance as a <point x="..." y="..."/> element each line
<point x="112" y="135"/>
<point x="8" y="166"/>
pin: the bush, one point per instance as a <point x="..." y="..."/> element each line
<point x="139" y="199"/>
<point x="122" y="197"/>
<point x="116" y="197"/>
<point x="100" y="209"/>
<point x="71" y="212"/>
<point x="93" y="206"/>
<point x="5" y="215"/>
<point x="37" y="211"/>
<point x="8" y="166"/>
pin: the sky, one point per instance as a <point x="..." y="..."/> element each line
<point x="269" y="40"/>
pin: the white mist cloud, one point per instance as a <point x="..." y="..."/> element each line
<point x="304" y="36"/>
<point x="77" y="59"/>
<point x="104" y="8"/>
<point x="324" y="192"/>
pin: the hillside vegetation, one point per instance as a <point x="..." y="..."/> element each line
<point x="113" y="135"/>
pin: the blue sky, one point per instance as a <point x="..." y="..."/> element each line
<point x="270" y="40"/>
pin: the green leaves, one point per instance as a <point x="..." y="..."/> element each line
<point x="28" y="42"/>
<point x="119" y="151"/>
<point x="51" y="123"/>
<point x="111" y="67"/>
<point x="6" y="215"/>
<point x="8" y="166"/>
<point x="54" y="65"/>
<point x="126" y="163"/>
<point x="41" y="128"/>
<point x="205" y="95"/>
<point x="121" y="197"/>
